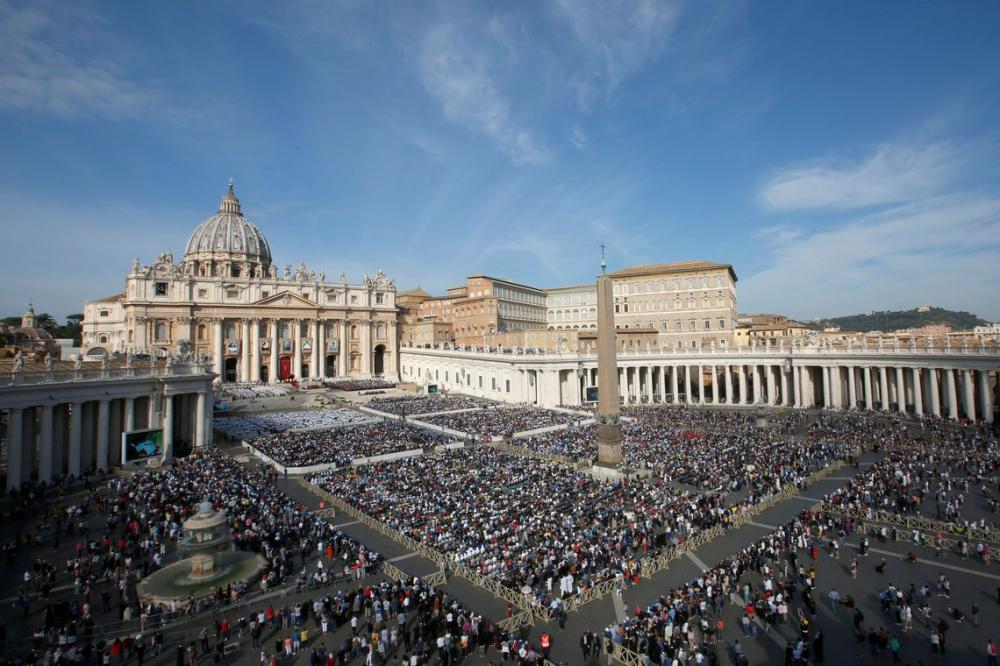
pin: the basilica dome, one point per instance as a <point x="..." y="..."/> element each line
<point x="228" y="237"/>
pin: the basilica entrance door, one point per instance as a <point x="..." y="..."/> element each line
<point x="285" y="367"/>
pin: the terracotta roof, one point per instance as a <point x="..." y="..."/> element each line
<point x="674" y="267"/>
<point x="413" y="292"/>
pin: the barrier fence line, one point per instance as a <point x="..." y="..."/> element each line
<point x="622" y="654"/>
<point x="525" y="452"/>
<point x="950" y="533"/>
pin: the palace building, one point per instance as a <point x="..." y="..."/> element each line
<point x="226" y="300"/>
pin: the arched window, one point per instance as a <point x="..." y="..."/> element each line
<point x="354" y="331"/>
<point x="161" y="331"/>
<point x="131" y="335"/>
<point x="202" y="331"/>
<point x="104" y="339"/>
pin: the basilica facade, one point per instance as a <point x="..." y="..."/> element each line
<point x="225" y="299"/>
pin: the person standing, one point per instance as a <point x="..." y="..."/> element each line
<point x="818" y="647"/>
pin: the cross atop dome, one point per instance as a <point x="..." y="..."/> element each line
<point x="230" y="202"/>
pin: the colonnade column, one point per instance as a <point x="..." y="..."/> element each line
<point x="168" y="426"/>
<point x="245" y="350"/>
<point x="970" y="396"/>
<point x="797" y="388"/>
<point x="852" y="388"/>
<point x="217" y="365"/>
<point x="272" y="373"/>
<point x="366" y="348"/>
<point x="985" y="396"/>
<point x="15" y="446"/>
<point x="343" y="349"/>
<point x="255" y="358"/>
<point x="319" y="347"/>
<point x="868" y="387"/>
<point x="129" y="414"/>
<point x="45" y="444"/>
<point x="826" y="387"/>
<point x="935" y="394"/>
<point x="918" y="395"/>
<point x="102" y="433"/>
<point x="663" y="382"/>
<point x="729" y="384"/>
<point x="314" y="352"/>
<point x="675" y="382"/>
<point x="743" y="384"/>
<point x="884" y="388"/>
<point x="769" y="369"/>
<point x="297" y="356"/>
<point x="701" y="384"/>
<point x="952" y="395"/>
<point x="785" y="398"/>
<point x="900" y="390"/>
<point x="199" y="424"/>
<point x="75" y="438"/>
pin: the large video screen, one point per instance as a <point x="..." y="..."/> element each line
<point x="142" y="444"/>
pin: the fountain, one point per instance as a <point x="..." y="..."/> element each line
<point x="208" y="565"/>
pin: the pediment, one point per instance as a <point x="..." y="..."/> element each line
<point x="288" y="300"/>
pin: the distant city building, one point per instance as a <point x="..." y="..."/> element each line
<point x="767" y="329"/>
<point x="29" y="338"/>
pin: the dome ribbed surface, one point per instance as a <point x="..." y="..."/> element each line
<point x="229" y="233"/>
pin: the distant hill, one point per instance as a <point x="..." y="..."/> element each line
<point x="891" y="320"/>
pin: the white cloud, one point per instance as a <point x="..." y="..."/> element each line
<point x="944" y="251"/>
<point x="619" y="37"/>
<point x="42" y="67"/>
<point x="458" y="76"/>
<point x="893" y="173"/>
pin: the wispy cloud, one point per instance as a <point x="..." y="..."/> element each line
<point x="943" y="250"/>
<point x="42" y="66"/>
<point x="457" y="75"/>
<point x="618" y="37"/>
<point x="892" y="173"/>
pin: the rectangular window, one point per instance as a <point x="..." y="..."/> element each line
<point x="493" y="383"/>
<point x="105" y="313"/>
<point x="265" y="294"/>
<point x="203" y="293"/>
<point x="354" y="298"/>
<point x="508" y="386"/>
<point x="160" y="288"/>
<point x="232" y="293"/>
<point x="379" y="298"/>
<point x="480" y="381"/>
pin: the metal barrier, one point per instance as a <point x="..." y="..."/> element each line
<point x="622" y="654"/>
<point x="930" y="525"/>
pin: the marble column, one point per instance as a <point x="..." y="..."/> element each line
<point x="786" y="400"/>
<point x="217" y="357"/>
<point x="868" y="387"/>
<point x="826" y="388"/>
<point x="245" y="351"/>
<point x="366" y="348"/>
<point x="255" y="356"/>
<point x="313" y="355"/>
<point x="985" y="396"/>
<point x="932" y="382"/>
<point x="199" y="423"/>
<point x="883" y="388"/>
<point x="675" y="382"/>
<point x="743" y="384"/>
<point x="900" y="390"/>
<point x="168" y="426"/>
<point x="663" y="382"/>
<point x="343" y="350"/>
<point x="297" y="357"/>
<point x="102" y="433"/>
<point x="700" y="378"/>
<point x="319" y="347"/>
<point x="852" y="388"/>
<point x="771" y="397"/>
<point x="15" y="447"/>
<point x="918" y="394"/>
<point x="45" y="443"/>
<point x="59" y="439"/>
<point x="272" y="372"/>
<point x="75" y="439"/>
<point x="970" y="396"/>
<point x="129" y="414"/>
<point x="797" y="381"/>
<point x="952" y="395"/>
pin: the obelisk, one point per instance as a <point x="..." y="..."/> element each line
<point x="609" y="427"/>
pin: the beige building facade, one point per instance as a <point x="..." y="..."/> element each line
<point x="226" y="300"/>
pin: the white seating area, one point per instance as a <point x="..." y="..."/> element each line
<point x="249" y="391"/>
<point x="247" y="427"/>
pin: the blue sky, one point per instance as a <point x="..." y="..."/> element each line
<point x="842" y="156"/>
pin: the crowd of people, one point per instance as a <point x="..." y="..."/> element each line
<point x="340" y="446"/>
<point x="404" y="405"/>
<point x="502" y="421"/>
<point x="252" y="391"/>
<point x="358" y="384"/>
<point x="142" y="518"/>
<point x="525" y="522"/>
<point x="241" y="426"/>
<point x="937" y="472"/>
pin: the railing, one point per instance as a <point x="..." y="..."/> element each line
<point x="553" y="458"/>
<point x="622" y="654"/>
<point x="920" y="523"/>
<point x="516" y="621"/>
<point x="87" y="374"/>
